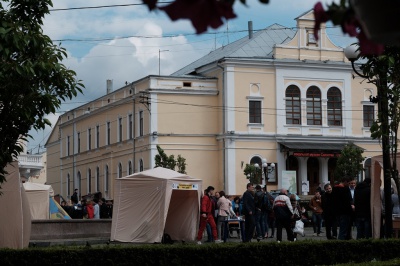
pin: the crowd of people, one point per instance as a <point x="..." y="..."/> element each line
<point x="337" y="207"/>
<point x="91" y="206"/>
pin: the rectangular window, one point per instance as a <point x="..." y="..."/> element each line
<point x="120" y="129"/>
<point x="108" y="133"/>
<point x="368" y="114"/>
<point x="79" y="142"/>
<point x="255" y="112"/>
<point x="130" y="122"/>
<point x="89" y="139"/>
<point x="141" y="123"/>
<point x="97" y="136"/>
<point x="68" y="144"/>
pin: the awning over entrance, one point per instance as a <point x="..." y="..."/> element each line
<point x="312" y="149"/>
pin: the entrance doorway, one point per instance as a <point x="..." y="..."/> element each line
<point x="293" y="165"/>
<point x="313" y="174"/>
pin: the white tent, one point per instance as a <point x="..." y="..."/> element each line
<point x="15" y="219"/>
<point x="153" y="202"/>
<point x="39" y="199"/>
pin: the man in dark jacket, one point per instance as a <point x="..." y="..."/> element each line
<point x="249" y="210"/>
<point x="259" y="217"/>
<point x="329" y="213"/>
<point x="362" y="208"/>
<point x="343" y="206"/>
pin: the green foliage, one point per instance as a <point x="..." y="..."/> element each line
<point x="33" y="80"/>
<point x="253" y="173"/>
<point x="350" y="162"/>
<point x="169" y="162"/>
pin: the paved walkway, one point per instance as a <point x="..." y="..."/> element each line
<point x="97" y="241"/>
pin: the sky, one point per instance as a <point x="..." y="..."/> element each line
<point x="127" y="43"/>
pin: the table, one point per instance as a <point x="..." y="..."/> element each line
<point x="241" y="227"/>
<point x="396" y="227"/>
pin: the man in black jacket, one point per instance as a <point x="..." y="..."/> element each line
<point x="329" y="212"/>
<point x="249" y="212"/>
<point x="362" y="208"/>
<point x="343" y="206"/>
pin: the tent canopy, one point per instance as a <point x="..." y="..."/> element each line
<point x="153" y="202"/>
<point x="39" y="199"/>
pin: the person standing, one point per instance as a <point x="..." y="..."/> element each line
<point x="260" y="223"/>
<point x="74" y="196"/>
<point x="249" y="209"/>
<point x="352" y="187"/>
<point x="283" y="214"/>
<point x="206" y="216"/>
<point x="343" y="206"/>
<point x="224" y="211"/>
<point x="329" y="212"/>
<point x="362" y="209"/>
<point x="316" y="207"/>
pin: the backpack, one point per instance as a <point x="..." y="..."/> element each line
<point x="266" y="203"/>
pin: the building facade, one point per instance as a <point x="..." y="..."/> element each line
<point x="277" y="94"/>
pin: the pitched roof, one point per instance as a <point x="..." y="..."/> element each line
<point x="259" y="46"/>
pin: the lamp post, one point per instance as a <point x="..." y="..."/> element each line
<point x="352" y="54"/>
<point x="267" y="170"/>
<point x="159" y="60"/>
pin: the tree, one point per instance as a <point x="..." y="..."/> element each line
<point x="254" y="174"/>
<point x="33" y="80"/>
<point x="169" y="162"/>
<point x="350" y="162"/>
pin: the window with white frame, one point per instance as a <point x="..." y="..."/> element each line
<point x="255" y="112"/>
<point x="293" y="105"/>
<point x="68" y="185"/>
<point x="97" y="179"/>
<point x="130" y="168"/>
<point x="97" y="136"/>
<point x="108" y="133"/>
<point x="141" y="123"/>
<point x="106" y="179"/>
<point x="89" y="139"/>
<point x="119" y="129"/>
<point x="334" y="107"/>
<point x="68" y="145"/>
<point x="119" y="170"/>
<point x="130" y="128"/>
<point x="89" y="180"/>
<point x="314" y="110"/>
<point x="368" y="115"/>
<point x="79" y="141"/>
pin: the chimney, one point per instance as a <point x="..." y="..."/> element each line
<point x="250" y="26"/>
<point x="109" y="86"/>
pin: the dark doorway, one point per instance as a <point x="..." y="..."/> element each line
<point x="331" y="170"/>
<point x="313" y="174"/>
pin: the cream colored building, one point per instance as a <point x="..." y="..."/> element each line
<point x="276" y="94"/>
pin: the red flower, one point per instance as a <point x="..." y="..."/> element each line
<point x="320" y="17"/>
<point x="368" y="47"/>
<point x="202" y="13"/>
<point x="150" y="3"/>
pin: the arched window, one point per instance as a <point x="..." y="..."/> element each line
<point x="97" y="179"/>
<point x="129" y="168"/>
<point x="106" y="181"/>
<point x="141" y="165"/>
<point x="119" y="170"/>
<point x="68" y="185"/>
<point x="293" y="108"/>
<point x="89" y="181"/>
<point x="334" y="107"/>
<point x="314" y="112"/>
<point x="79" y="183"/>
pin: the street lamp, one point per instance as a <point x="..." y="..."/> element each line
<point x="352" y="53"/>
<point x="267" y="170"/>
<point x="159" y="60"/>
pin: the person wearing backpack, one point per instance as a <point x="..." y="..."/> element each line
<point x="259" y="216"/>
<point x="266" y="209"/>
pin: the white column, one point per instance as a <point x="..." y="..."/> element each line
<point x="303" y="170"/>
<point x="323" y="171"/>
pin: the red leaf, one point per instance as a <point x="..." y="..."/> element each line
<point x="202" y="13"/>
